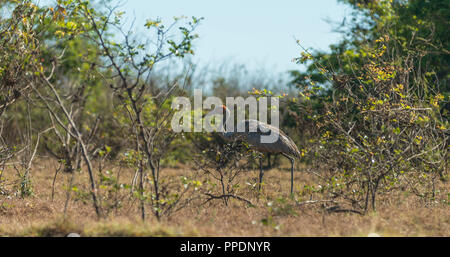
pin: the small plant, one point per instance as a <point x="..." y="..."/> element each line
<point x="223" y="165"/>
<point x="25" y="187"/>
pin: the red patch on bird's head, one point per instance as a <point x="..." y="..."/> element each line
<point x="224" y="107"/>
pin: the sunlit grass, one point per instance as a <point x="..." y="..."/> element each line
<point x="274" y="214"/>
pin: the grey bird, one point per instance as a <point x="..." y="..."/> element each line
<point x="283" y="145"/>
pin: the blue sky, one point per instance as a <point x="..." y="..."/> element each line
<point x="259" y="34"/>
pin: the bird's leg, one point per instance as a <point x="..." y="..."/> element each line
<point x="261" y="173"/>
<point x="292" y="175"/>
<point x="292" y="171"/>
<point x="269" y="166"/>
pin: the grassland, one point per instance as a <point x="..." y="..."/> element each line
<point x="39" y="215"/>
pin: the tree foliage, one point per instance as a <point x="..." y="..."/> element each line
<point x="377" y="102"/>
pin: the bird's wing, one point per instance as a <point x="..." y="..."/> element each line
<point x="255" y="129"/>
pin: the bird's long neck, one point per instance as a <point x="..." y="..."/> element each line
<point x="223" y="133"/>
<point x="224" y="120"/>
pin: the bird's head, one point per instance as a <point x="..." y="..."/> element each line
<point x="220" y="115"/>
<point x="219" y="110"/>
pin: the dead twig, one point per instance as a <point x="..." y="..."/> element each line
<point x="226" y="196"/>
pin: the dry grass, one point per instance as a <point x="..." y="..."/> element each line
<point x="38" y="215"/>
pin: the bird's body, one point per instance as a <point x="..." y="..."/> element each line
<point x="283" y="144"/>
<point x="252" y="133"/>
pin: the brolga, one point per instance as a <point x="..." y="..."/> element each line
<point x="283" y="145"/>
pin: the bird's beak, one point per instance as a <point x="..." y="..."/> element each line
<point x="208" y="114"/>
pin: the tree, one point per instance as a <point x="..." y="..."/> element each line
<point x="377" y="104"/>
<point x="128" y="72"/>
